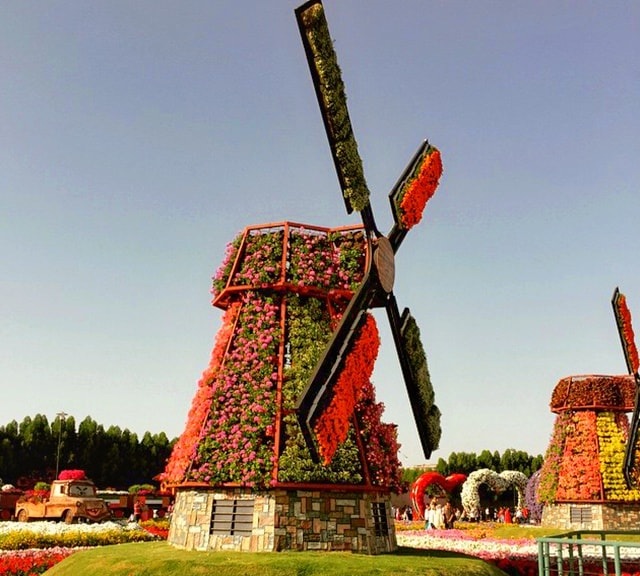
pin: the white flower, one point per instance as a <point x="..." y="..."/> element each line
<point x="497" y="482"/>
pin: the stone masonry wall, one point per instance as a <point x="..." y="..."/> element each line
<point x="288" y="520"/>
<point x="610" y="516"/>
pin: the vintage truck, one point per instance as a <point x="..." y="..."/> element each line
<point x="70" y="500"/>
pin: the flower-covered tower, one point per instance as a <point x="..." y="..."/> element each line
<point x="283" y="287"/>
<point x="582" y="484"/>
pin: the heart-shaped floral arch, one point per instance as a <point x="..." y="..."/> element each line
<point x="425" y="480"/>
<point x="497" y="482"/>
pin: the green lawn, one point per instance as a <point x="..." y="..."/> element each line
<point x="161" y="559"/>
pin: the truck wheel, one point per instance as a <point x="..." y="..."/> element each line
<point x="67" y="517"/>
<point x="23" y="516"/>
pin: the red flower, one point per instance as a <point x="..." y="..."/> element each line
<point x="627" y="332"/>
<point x="420" y="189"/>
<point x="333" y="425"/>
<point x="72" y="475"/>
<point x="579" y="474"/>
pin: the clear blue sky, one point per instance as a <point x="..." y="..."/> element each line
<point x="138" y="138"/>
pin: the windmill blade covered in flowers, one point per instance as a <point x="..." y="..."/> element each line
<point x="627" y="339"/>
<point x="325" y="407"/>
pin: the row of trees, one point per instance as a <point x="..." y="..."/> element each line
<point x="467" y="462"/>
<point x="36" y="449"/>
<point x="113" y="457"/>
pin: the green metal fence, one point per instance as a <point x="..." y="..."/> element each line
<point x="589" y="552"/>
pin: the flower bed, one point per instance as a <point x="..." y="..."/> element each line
<point x="32" y="548"/>
<point x="508" y="555"/>
<point x="515" y="556"/>
<point x="32" y="561"/>
<point x="21" y="536"/>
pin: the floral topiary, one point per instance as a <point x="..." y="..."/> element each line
<point x="530" y="498"/>
<point x="470" y="494"/>
<point x="72" y="475"/>
<point x="284" y="288"/>
<point x="411" y="198"/>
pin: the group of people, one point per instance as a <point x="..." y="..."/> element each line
<point x="502" y="514"/>
<point x="440" y="515"/>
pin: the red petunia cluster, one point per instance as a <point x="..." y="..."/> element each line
<point x="420" y="189"/>
<point x="627" y="332"/>
<point x="72" y="475"/>
<point x="579" y="474"/>
<point x="333" y="426"/>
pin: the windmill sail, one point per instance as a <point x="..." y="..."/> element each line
<point x="318" y="401"/>
<point x="413" y="362"/>
<point x="627" y="339"/>
<point x="327" y="80"/>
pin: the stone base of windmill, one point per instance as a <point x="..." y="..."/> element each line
<point x="282" y="519"/>
<point x="606" y="516"/>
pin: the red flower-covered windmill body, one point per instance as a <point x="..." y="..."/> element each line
<point x="593" y="457"/>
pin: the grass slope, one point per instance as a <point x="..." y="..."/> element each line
<point x="160" y="559"/>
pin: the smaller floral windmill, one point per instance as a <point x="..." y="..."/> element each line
<point x="324" y="408"/>
<point x="625" y="330"/>
<point x="593" y="457"/>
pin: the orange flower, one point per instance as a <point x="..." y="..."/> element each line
<point x="420" y="189"/>
<point x="332" y="426"/>
<point x="579" y="474"/>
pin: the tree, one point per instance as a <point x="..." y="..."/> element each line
<point x="410" y="475"/>
<point x="37" y="442"/>
<point x="486" y="460"/>
<point x="462" y="462"/>
<point x="9" y="450"/>
<point x="442" y="467"/>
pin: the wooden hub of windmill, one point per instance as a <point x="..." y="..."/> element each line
<point x="384" y="261"/>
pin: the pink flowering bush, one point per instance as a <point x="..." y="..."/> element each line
<point x="236" y="444"/>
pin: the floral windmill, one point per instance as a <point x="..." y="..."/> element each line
<point x="325" y="407"/>
<point x="296" y="297"/>
<point x="285" y="446"/>
<point x="625" y="330"/>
